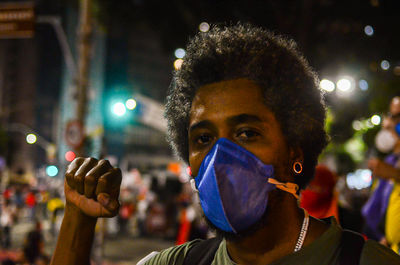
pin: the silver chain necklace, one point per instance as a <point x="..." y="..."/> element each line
<point x="303" y="231"/>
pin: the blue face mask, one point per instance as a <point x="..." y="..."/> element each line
<point x="233" y="186"/>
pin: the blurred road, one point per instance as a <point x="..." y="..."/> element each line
<point x="121" y="250"/>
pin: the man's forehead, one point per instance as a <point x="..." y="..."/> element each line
<point x="227" y="96"/>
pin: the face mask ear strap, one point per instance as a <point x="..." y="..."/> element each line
<point x="288" y="187"/>
<point x="193" y="185"/>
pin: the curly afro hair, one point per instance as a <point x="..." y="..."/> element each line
<point x="273" y="62"/>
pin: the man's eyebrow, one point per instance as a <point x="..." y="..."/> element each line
<point x="243" y="118"/>
<point x="200" y="124"/>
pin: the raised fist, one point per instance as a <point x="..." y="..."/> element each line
<point x="93" y="186"/>
<point x="381" y="169"/>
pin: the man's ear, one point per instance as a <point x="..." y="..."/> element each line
<point x="296" y="155"/>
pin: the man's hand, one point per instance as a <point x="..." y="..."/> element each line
<point x="384" y="242"/>
<point x="383" y="170"/>
<point x="93" y="187"/>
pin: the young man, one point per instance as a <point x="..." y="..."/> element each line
<point x="246" y="114"/>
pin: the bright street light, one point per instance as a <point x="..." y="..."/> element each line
<point x="376" y="119"/>
<point x="119" y="109"/>
<point x="344" y="85"/>
<point x="327" y="85"/>
<point x="130" y="104"/>
<point x="31" y="138"/>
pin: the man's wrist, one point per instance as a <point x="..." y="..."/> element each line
<point x="72" y="211"/>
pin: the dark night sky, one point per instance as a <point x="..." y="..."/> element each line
<point x="330" y="33"/>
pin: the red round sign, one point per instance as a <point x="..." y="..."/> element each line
<point x="74" y="134"/>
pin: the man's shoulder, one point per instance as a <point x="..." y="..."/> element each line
<point x="172" y="255"/>
<point x="376" y="254"/>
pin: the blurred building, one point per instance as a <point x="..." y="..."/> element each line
<point x="38" y="93"/>
<point x="29" y="87"/>
<point x="137" y="65"/>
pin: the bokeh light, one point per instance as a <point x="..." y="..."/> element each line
<point x="119" y="109"/>
<point x="51" y="171"/>
<point x="327" y="85"/>
<point x="189" y="171"/>
<point x="360" y="179"/>
<point x="357" y="125"/>
<point x="204" y="27"/>
<point x="344" y="85"/>
<point x="31" y="138"/>
<point x="363" y="85"/>
<point x="385" y="65"/>
<point x="376" y="119"/>
<point x="178" y="63"/>
<point x="70" y="156"/>
<point x="369" y="30"/>
<point x="130" y="104"/>
<point x="180" y="53"/>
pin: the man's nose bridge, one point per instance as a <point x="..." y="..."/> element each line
<point x="227" y="136"/>
<point x="226" y="132"/>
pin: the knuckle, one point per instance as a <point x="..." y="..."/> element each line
<point x="90" y="160"/>
<point x="104" y="162"/>
<point x="78" y="160"/>
<point x="117" y="171"/>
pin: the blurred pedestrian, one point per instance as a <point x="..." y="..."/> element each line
<point x="42" y="200"/>
<point x="30" y="202"/>
<point x="320" y="198"/>
<point x="7" y="194"/>
<point x="384" y="205"/>
<point x="34" y="244"/>
<point x="6" y="221"/>
<point x="55" y="207"/>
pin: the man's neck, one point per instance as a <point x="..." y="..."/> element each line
<point x="278" y="237"/>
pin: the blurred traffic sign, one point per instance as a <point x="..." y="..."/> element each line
<point x="17" y="20"/>
<point x="74" y="134"/>
<point x="151" y="113"/>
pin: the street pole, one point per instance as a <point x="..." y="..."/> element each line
<point x="85" y="47"/>
<point x="55" y="22"/>
<point x="84" y="50"/>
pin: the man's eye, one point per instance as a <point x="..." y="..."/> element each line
<point x="204" y="139"/>
<point x="247" y="134"/>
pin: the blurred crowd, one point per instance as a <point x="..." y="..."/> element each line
<point x="374" y="211"/>
<point x="162" y="203"/>
<point x="22" y="204"/>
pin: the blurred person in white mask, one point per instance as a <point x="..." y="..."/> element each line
<point x="388" y="171"/>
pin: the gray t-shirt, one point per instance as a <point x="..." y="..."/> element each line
<point x="324" y="250"/>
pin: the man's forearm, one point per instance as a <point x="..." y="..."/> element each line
<point x="75" y="238"/>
